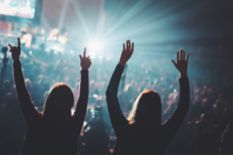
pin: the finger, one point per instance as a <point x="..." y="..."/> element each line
<point x="80" y="56"/>
<point x="128" y="43"/>
<point x="184" y="55"/>
<point x="132" y="48"/>
<point x="84" y="53"/>
<point x="187" y="59"/>
<point x="123" y="46"/>
<point x="181" y="54"/>
<point x="19" y="44"/>
<point x="177" y="56"/>
<point x="173" y="61"/>
<point x="10" y="46"/>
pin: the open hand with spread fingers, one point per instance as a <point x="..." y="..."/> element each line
<point x="85" y="61"/>
<point x="127" y="52"/>
<point x="181" y="63"/>
<point x="15" y="51"/>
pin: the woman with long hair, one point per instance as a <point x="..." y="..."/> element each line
<point x="54" y="131"/>
<point x="143" y="133"/>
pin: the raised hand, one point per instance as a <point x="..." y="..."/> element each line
<point x="181" y="62"/>
<point x="15" y="51"/>
<point x="85" y="61"/>
<point x="126" y="52"/>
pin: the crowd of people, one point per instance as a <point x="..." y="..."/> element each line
<point x="207" y="128"/>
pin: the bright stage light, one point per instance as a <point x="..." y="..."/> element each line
<point x="96" y="45"/>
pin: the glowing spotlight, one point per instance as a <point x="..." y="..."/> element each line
<point x="95" y="45"/>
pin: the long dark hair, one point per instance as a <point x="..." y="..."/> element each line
<point x="59" y="102"/>
<point x="146" y="109"/>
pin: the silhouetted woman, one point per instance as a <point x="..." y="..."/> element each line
<point x="142" y="133"/>
<point x="55" y="131"/>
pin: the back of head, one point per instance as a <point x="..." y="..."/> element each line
<point x="146" y="110"/>
<point x="59" y="102"/>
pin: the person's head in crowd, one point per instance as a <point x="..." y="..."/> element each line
<point x="59" y="102"/>
<point x="146" y="109"/>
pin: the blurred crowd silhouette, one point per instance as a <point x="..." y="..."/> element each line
<point x="207" y="128"/>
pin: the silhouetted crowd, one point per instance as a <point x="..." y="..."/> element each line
<point x="207" y="129"/>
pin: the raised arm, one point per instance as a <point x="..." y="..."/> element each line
<point x="119" y="122"/>
<point x="4" y="62"/>
<point x="81" y="106"/>
<point x="28" y="109"/>
<point x="178" y="117"/>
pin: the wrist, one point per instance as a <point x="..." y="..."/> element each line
<point x="84" y="69"/>
<point x="121" y="63"/>
<point x="184" y="75"/>
<point x="16" y="61"/>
